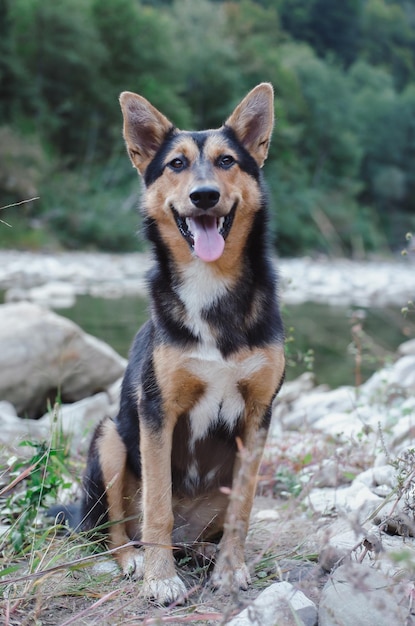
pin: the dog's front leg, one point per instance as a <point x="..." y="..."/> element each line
<point x="230" y="569"/>
<point x="160" y="578"/>
<point x="258" y="392"/>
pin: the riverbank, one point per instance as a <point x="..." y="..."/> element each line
<point x="336" y="487"/>
<point x="335" y="492"/>
<point x="52" y="277"/>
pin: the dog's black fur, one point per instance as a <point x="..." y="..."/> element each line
<point x="214" y="323"/>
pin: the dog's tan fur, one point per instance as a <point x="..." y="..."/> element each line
<point x="196" y="390"/>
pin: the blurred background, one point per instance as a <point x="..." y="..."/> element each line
<point x="341" y="168"/>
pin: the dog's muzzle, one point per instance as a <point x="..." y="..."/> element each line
<point x="205" y="233"/>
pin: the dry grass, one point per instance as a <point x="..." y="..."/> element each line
<point x="60" y="583"/>
<point x="52" y="577"/>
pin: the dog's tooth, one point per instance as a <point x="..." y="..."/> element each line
<point x="220" y="222"/>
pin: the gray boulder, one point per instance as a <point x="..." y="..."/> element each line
<point x="407" y="348"/>
<point x="359" y="595"/>
<point x="43" y="355"/>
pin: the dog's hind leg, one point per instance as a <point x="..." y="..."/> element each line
<point x="123" y="500"/>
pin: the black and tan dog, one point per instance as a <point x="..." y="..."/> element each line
<point x="205" y="368"/>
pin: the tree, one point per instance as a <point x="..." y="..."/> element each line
<point x="139" y="56"/>
<point x="330" y="27"/>
<point x="7" y="63"/>
<point x="57" y="45"/>
<point x="206" y="61"/>
<point x="388" y="39"/>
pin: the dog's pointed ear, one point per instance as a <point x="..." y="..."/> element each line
<point x="144" y="129"/>
<point x="253" y="121"/>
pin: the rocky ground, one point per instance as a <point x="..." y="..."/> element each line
<point x="55" y="278"/>
<point x="332" y="533"/>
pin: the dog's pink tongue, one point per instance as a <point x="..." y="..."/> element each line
<point x="209" y="244"/>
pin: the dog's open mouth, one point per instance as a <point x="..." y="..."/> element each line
<point x="205" y="234"/>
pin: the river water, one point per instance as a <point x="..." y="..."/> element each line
<point x="325" y="330"/>
<point x="345" y="314"/>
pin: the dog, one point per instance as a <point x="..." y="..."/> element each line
<point x="179" y="463"/>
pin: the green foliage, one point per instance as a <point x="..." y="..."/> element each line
<point x="38" y="482"/>
<point x="389" y="38"/>
<point x="330" y="27"/>
<point x="341" y="164"/>
<point x="22" y="164"/>
<point x="110" y="193"/>
<point x="59" y="55"/>
<point x="201" y="44"/>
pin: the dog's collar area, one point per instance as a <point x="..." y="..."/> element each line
<point x="215" y="230"/>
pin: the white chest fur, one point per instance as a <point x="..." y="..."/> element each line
<point x="200" y="288"/>
<point x="222" y="398"/>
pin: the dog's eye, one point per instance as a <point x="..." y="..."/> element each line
<point x="226" y="161"/>
<point x="177" y="164"/>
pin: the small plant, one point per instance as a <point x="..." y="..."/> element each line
<point x="400" y="518"/>
<point x="365" y="351"/>
<point x="34" y="485"/>
<point x="295" y="357"/>
<point x="410" y="247"/>
<point x="405" y="474"/>
<point x="409" y="244"/>
<point x="408" y="309"/>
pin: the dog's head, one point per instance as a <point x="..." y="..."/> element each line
<point x="202" y="188"/>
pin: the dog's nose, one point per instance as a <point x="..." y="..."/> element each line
<point x="204" y="197"/>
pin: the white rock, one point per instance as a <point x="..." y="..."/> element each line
<point x="340" y="548"/>
<point x="105" y="566"/>
<point x="330" y="473"/>
<point x="341" y="281"/>
<point x="280" y="603"/>
<point x="375" y="388"/>
<point x="376" y="476"/>
<point x="293" y="389"/>
<point x="54" y="294"/>
<point x="404" y="372"/>
<point x="357" y="594"/>
<point x="356" y="497"/>
<point x="340" y="426"/>
<point x="114" y="391"/>
<point x="335" y="281"/>
<point x="317" y="404"/>
<point x="397" y="557"/>
<point x="399" y="375"/>
<point x="267" y="515"/>
<point x="41" y="352"/>
<point x="407" y="348"/>
<point x="79" y="419"/>
<point x="7" y="411"/>
<point x="14" y="429"/>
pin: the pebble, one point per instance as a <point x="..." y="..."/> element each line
<point x="280" y="603"/>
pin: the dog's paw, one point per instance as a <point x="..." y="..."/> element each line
<point x="228" y="578"/>
<point x="132" y="564"/>
<point x="166" y="590"/>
